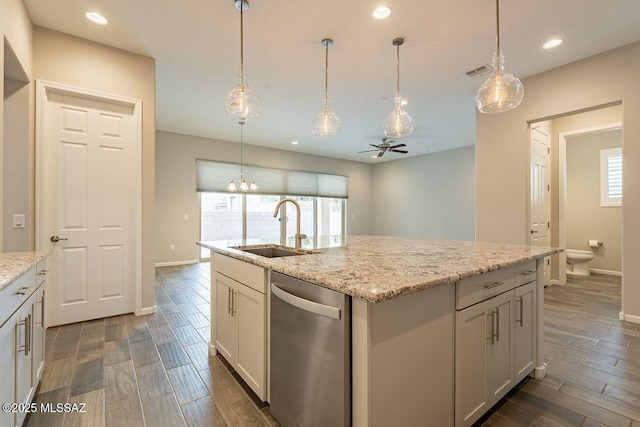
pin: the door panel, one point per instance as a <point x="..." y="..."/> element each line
<point x="89" y="200"/>
<point x="225" y="322"/>
<point x="540" y="227"/>
<point x="500" y="377"/>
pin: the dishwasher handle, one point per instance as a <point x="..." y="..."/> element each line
<point x="305" y="304"/>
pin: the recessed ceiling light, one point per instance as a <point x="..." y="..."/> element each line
<point x="294" y="142"/>
<point x="96" y="18"/>
<point x="381" y="13"/>
<point x="552" y="43"/>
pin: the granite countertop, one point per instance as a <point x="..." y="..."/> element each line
<point x="379" y="268"/>
<point x="15" y="264"/>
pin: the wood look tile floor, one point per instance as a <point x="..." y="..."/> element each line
<point x="155" y="370"/>
<point x="593" y="363"/>
<point x="148" y="371"/>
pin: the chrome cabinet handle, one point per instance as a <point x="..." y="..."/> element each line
<point x="526" y="273"/>
<point x="42" y="310"/>
<point x="498" y="324"/>
<point x="233" y="300"/>
<point x="493" y="285"/>
<point x="521" y="303"/>
<point x="27" y="336"/>
<point x="43" y="272"/>
<point x="492" y="336"/>
<point x="229" y="301"/>
<point x="57" y="238"/>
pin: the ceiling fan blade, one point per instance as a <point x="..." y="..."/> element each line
<point x="366" y="151"/>
<point x="374" y="145"/>
<point x="398" y="146"/>
<point x="380" y="154"/>
<point x="400" y="151"/>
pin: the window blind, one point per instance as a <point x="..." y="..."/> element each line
<point x="614" y="166"/>
<point x="214" y="176"/>
<point x="611" y="177"/>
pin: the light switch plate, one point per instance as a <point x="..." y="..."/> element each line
<point x="18" y="220"/>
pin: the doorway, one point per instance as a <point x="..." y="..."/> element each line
<point x="88" y="216"/>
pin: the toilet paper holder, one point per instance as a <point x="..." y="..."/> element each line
<point x="594" y="243"/>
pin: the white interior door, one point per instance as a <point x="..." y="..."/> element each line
<point x="89" y="152"/>
<point x="540" y="227"/>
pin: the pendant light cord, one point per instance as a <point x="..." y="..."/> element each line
<point x="398" y="68"/>
<point x="498" y="22"/>
<point x="241" y="139"/>
<point x="326" y="75"/>
<point x="241" y="37"/>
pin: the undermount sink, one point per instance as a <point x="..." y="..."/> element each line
<point x="271" y="252"/>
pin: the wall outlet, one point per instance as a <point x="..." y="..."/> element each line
<point x="172" y="247"/>
<point x="18" y="220"/>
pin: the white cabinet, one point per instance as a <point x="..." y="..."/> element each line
<point x="525" y="330"/>
<point x="8" y="363"/>
<point x="495" y="340"/>
<point x="239" y="332"/>
<point x="21" y="341"/>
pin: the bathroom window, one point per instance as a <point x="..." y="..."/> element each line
<point x="611" y="177"/>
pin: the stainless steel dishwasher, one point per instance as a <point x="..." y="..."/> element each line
<point x="310" y="354"/>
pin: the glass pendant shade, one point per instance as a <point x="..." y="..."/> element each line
<point x="232" y="186"/>
<point x="326" y="123"/>
<point x="398" y="123"/>
<point x="501" y="91"/>
<point x="242" y="103"/>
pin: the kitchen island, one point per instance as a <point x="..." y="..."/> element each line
<point x="440" y="329"/>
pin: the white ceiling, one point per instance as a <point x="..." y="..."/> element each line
<point x="196" y="47"/>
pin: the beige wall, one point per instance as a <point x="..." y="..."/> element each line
<point x="426" y="196"/>
<point x="502" y="151"/>
<point x="585" y="218"/>
<point x="16" y="31"/>
<point x="61" y="58"/>
<point x="176" y="186"/>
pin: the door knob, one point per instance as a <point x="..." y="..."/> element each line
<point x="57" y="239"/>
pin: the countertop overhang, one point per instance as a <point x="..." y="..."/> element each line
<point x="380" y="268"/>
<point x="15" y="264"/>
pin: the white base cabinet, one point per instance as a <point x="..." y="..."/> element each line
<point x="495" y="341"/>
<point x="22" y="342"/>
<point x="239" y="313"/>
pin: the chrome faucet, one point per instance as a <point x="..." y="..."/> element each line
<point x="299" y="236"/>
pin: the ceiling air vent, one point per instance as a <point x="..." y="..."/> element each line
<point x="480" y="71"/>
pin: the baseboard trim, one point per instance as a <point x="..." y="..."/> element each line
<point x="172" y="263"/>
<point x="147" y="310"/>
<point x="629" y="318"/>
<point x="608" y="272"/>
<point x="555" y="282"/>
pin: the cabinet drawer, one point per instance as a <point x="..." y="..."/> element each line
<point x="241" y="271"/>
<point x="525" y="273"/>
<point x="41" y="272"/>
<point x="473" y="290"/>
<point x="14" y="295"/>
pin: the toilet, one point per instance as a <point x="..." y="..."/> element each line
<point x="577" y="262"/>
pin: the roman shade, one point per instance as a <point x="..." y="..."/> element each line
<point x="214" y="176"/>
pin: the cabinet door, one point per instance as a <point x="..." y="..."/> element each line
<point x="500" y="375"/>
<point x="225" y="323"/>
<point x="38" y="336"/>
<point x="24" y="356"/>
<point x="8" y="353"/>
<point x="472" y="339"/>
<point x="525" y="330"/>
<point x="251" y="364"/>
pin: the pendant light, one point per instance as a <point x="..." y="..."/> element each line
<point x="398" y="123"/>
<point x="501" y="92"/>
<point x="242" y="103"/>
<point x="326" y="123"/>
<point x="243" y="181"/>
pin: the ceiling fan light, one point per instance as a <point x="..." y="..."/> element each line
<point x="326" y="123"/>
<point x="501" y="91"/>
<point x="398" y="123"/>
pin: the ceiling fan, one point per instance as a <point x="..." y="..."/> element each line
<point x="386" y="146"/>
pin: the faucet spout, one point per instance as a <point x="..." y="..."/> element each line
<point x="299" y="236"/>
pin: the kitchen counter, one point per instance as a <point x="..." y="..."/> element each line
<point x="15" y="264"/>
<point x="380" y="268"/>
